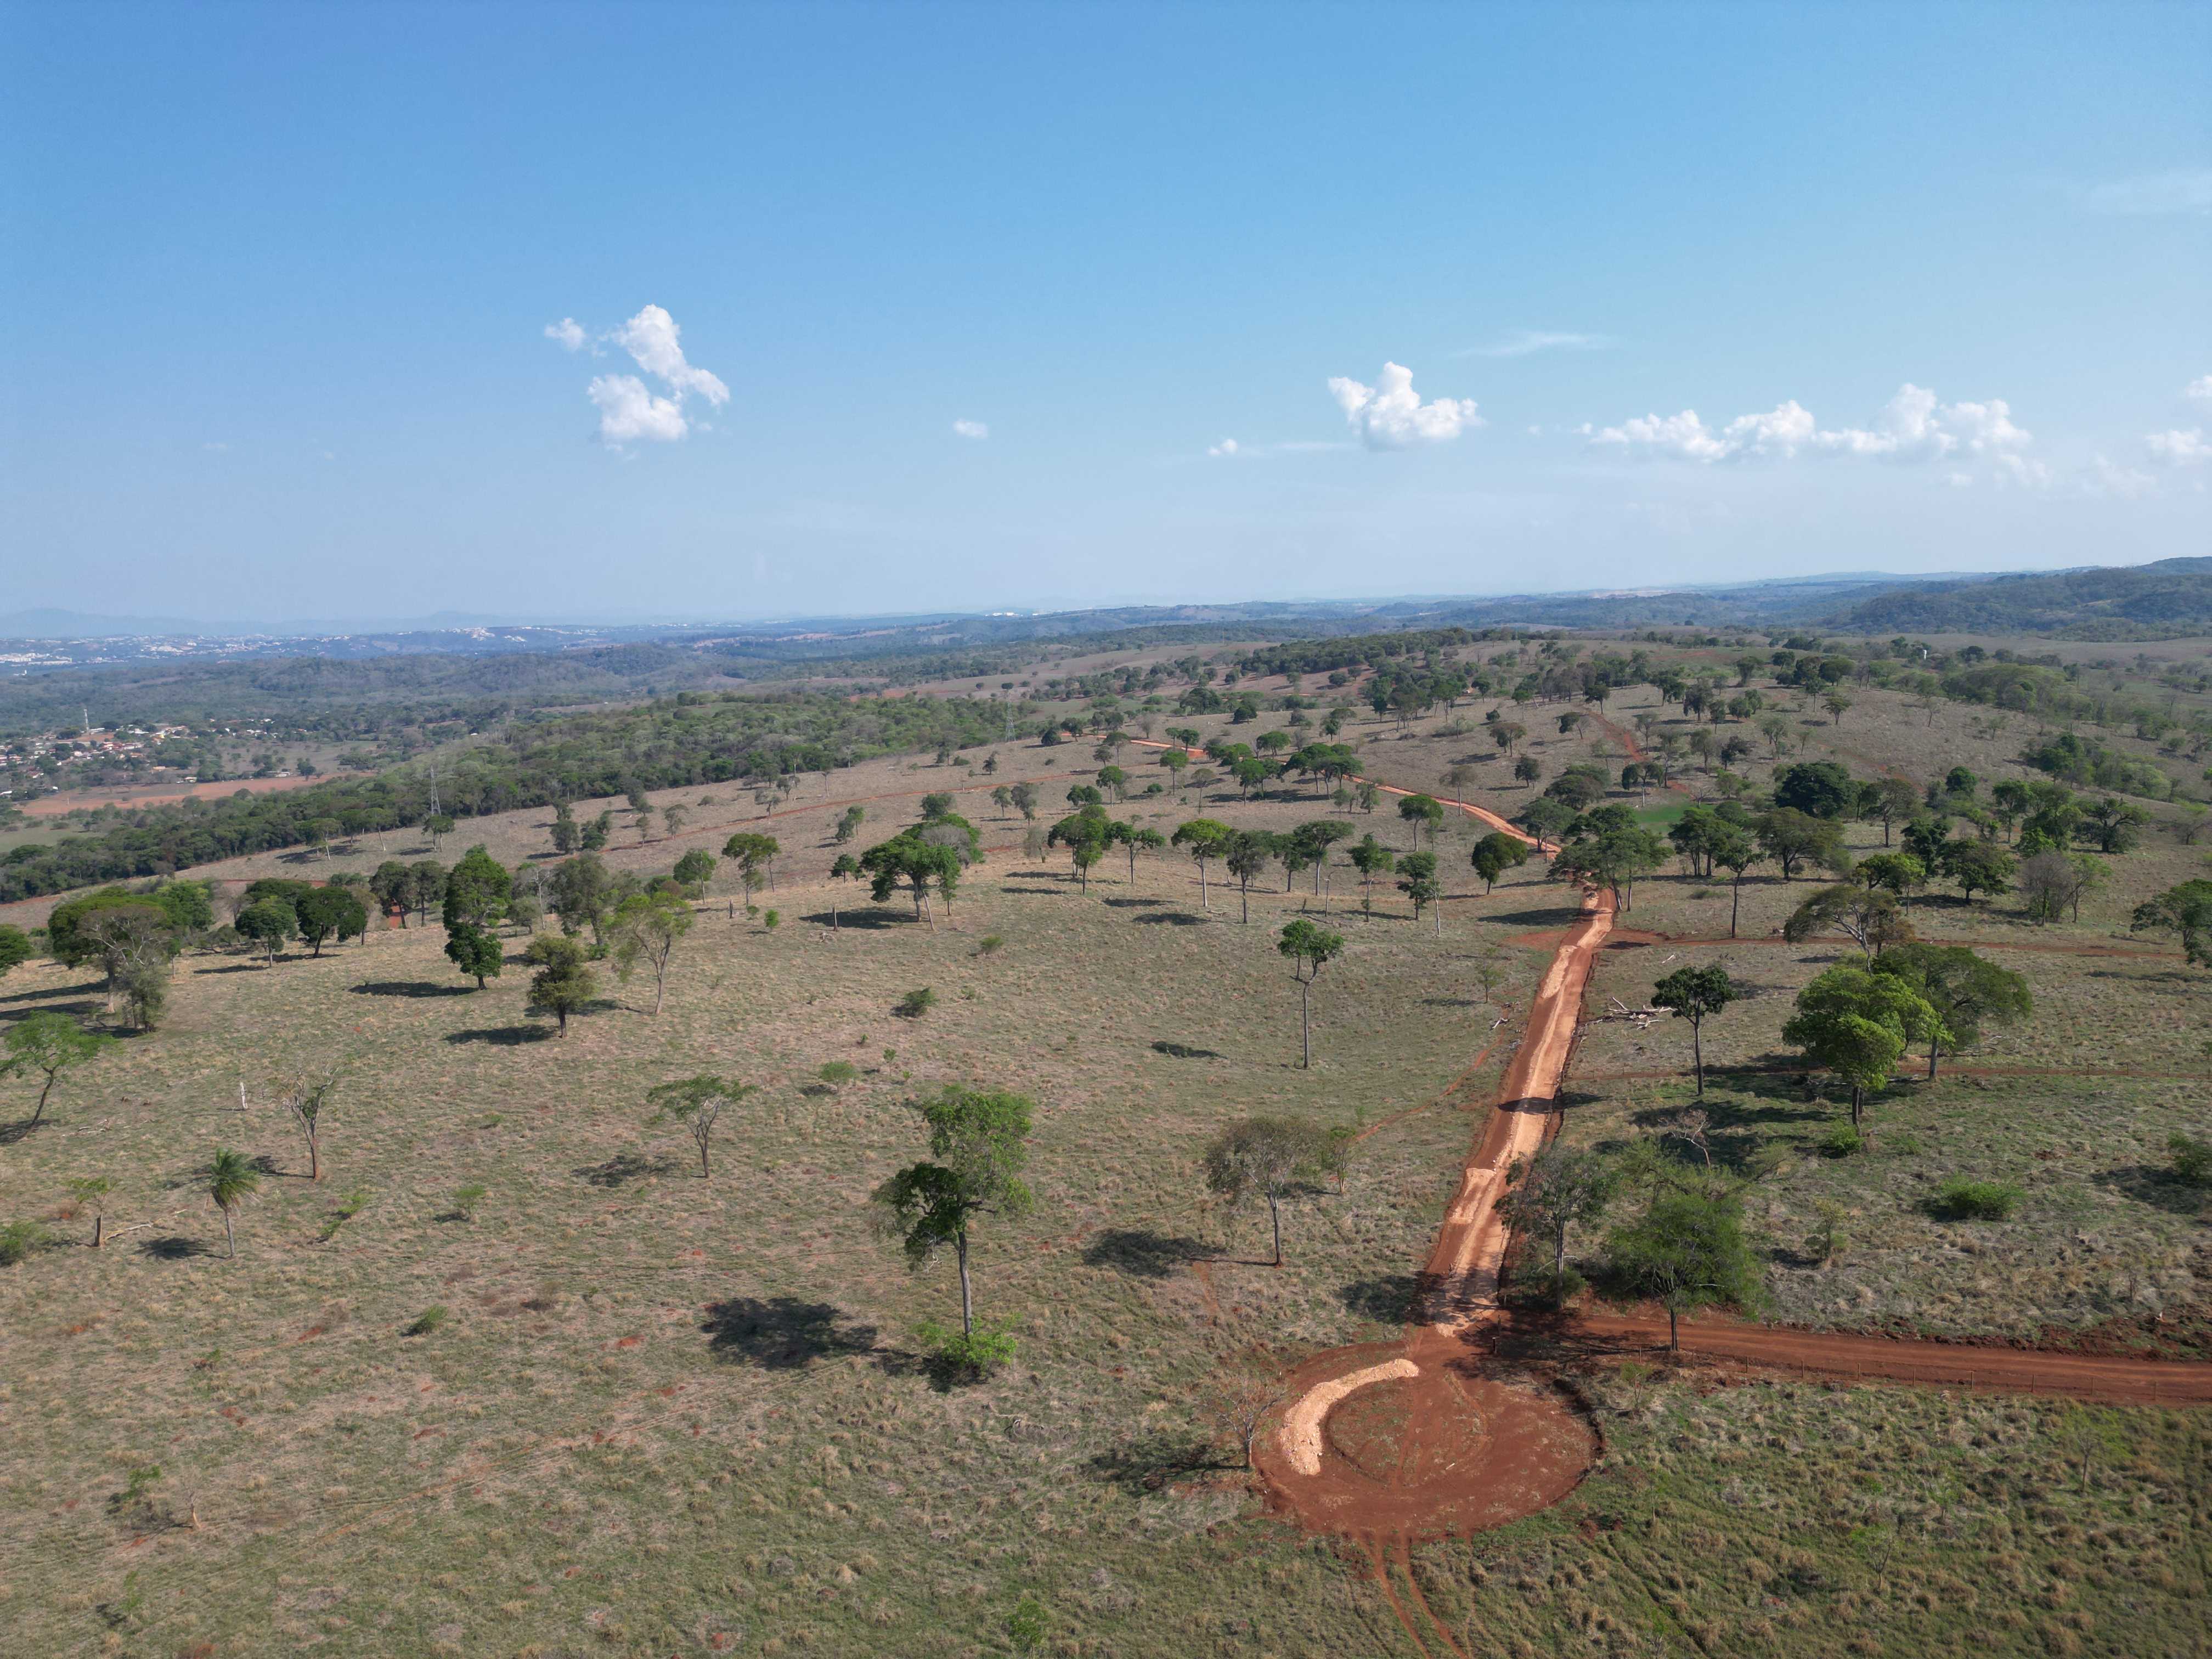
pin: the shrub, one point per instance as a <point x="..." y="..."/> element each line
<point x="426" y="1321"/>
<point x="1025" y="1625"/>
<point x="838" y="1071"/>
<point x="2192" y="1159"/>
<point x="914" y="1004"/>
<point x="987" y="943"/>
<point x="1977" y="1201"/>
<point x="18" y="1239"/>
<point x="963" y="1354"/>
<point x="465" y="1200"/>
<point x="1841" y="1141"/>
<point x="772" y="921"/>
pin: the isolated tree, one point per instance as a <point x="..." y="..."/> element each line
<point x="1794" y="839"/>
<point x="1496" y="853"/>
<point x="754" y="854"/>
<point x="1892" y="799"/>
<point x="1686" y="1251"/>
<point x="848" y="825"/>
<point x="1695" y="994"/>
<point x="1836" y="703"/>
<point x="1417" y="880"/>
<point x="306" y="1101"/>
<point x="693" y="872"/>
<point x="477" y="890"/>
<point x="322" y="911"/>
<point x="844" y="867"/>
<point x="1528" y="769"/>
<point x="1552" y="1192"/>
<point x="90" y="1192"/>
<point x="1855" y="1023"/>
<point x="583" y="890"/>
<point x="2185" y="909"/>
<point x="2115" y="825"/>
<point x="1424" y="812"/>
<point x="1895" y="873"/>
<point x="1966" y="991"/>
<point x="393" y="884"/>
<point x="911" y="857"/>
<point x="49" y="1045"/>
<point x="1869" y="916"/>
<point x="1314" y="838"/>
<point x="15" y="948"/>
<point x="1248" y="853"/>
<point x="696" y="1103"/>
<point x="978" y="1144"/>
<point x="1979" y="867"/>
<point x="428" y="885"/>
<point x="672" y="820"/>
<point x="564" y="984"/>
<point x="1729" y="848"/>
<point x="232" y="1179"/>
<point x="1025" y="799"/>
<point x="1135" y="839"/>
<point x="268" y="923"/>
<point x="1205" y="840"/>
<point x="1275" y="1158"/>
<point x="1371" y="858"/>
<point x="1310" y="948"/>
<point x="474" y="951"/>
<point x="648" y="927"/>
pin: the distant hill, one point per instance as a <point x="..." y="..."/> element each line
<point x="2170" y="598"/>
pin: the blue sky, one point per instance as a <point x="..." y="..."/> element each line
<point x="277" y="284"/>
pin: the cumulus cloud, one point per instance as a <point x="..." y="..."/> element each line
<point x="971" y="429"/>
<point x="2179" y="191"/>
<point x="653" y="339"/>
<point x="1227" y="449"/>
<point x="2180" y="448"/>
<point x="1390" y="415"/>
<point x="2107" y="477"/>
<point x="2199" y="390"/>
<point x="628" y="412"/>
<point x="1525" y="341"/>
<point x="1913" y="426"/>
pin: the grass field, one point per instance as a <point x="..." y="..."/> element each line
<point x="663" y="1415"/>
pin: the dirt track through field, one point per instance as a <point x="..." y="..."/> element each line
<point x="1414" y="1438"/>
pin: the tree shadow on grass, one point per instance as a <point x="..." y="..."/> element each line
<point x="174" y="1247"/>
<point x="624" y="1167"/>
<point x="1386" y="1298"/>
<point x="1183" y="1051"/>
<point x="505" y="1036"/>
<point x="869" y="918"/>
<point x="410" y="987"/>
<point x="1172" y="919"/>
<point x="781" y="1332"/>
<point x="1564" y="915"/>
<point x="90" y="988"/>
<point x="1144" y="1465"/>
<point x="1134" y="903"/>
<point x="241" y="967"/>
<point x="2162" y="1189"/>
<point x="82" y="1010"/>
<point x="1143" y="1254"/>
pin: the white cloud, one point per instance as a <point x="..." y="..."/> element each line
<point x="2179" y="191"/>
<point x="1522" y="342"/>
<point x="971" y="429"/>
<point x="1390" y="415"/>
<point x="1227" y="449"/>
<point x="2199" y="390"/>
<point x="630" y="412"/>
<point x="2180" y="448"/>
<point x="1913" y="427"/>
<point x="653" y="339"/>
<point x="2106" y="477"/>
<point x="215" y="446"/>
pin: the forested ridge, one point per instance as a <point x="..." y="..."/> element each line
<point x="691" y="738"/>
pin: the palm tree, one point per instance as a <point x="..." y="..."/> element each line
<point x="231" y="1180"/>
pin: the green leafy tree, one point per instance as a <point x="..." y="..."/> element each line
<point x="2115" y="825"/>
<point x="1424" y="812"/>
<point x="978" y="1147"/>
<point x="1205" y="840"/>
<point x="306" y="1102"/>
<point x="564" y="984"/>
<point x="474" y="951"/>
<point x="1869" y="916"/>
<point x="1894" y="872"/>
<point x="696" y="1103"/>
<point x="844" y="867"/>
<point x="2185" y="909"/>
<point x="232" y="1179"/>
<point x="1273" y="1159"/>
<point x="1496" y="853"/>
<point x="322" y="911"/>
<point x="693" y="872"/>
<point x="1133" y="839"/>
<point x="1729" y="848"/>
<point x="583" y="891"/>
<point x="1528" y="771"/>
<point x="477" y="890"/>
<point x="268" y="923"/>
<point x="848" y="825"/>
<point x="1686" y="1251"/>
<point x="648" y="927"/>
<point x="1695" y="994"/>
<point x="1310" y="948"/>
<point x="1313" y="839"/>
<point x="15" y="948"/>
<point x="393" y="885"/>
<point x="1024" y="796"/>
<point x="1085" y="835"/>
<point x="754" y="854"/>
<point x="1552" y="1192"/>
<point x="1967" y="992"/>
<point x="427" y="886"/>
<point x="1978" y="868"/>
<point x="1894" y="799"/>
<point x="1855" y="1023"/>
<point x="49" y="1045"/>
<point x="1247" y="855"/>
<point x="1371" y="858"/>
<point x="911" y="857"/>
<point x="1794" y="839"/>
<point x="1417" y="880"/>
